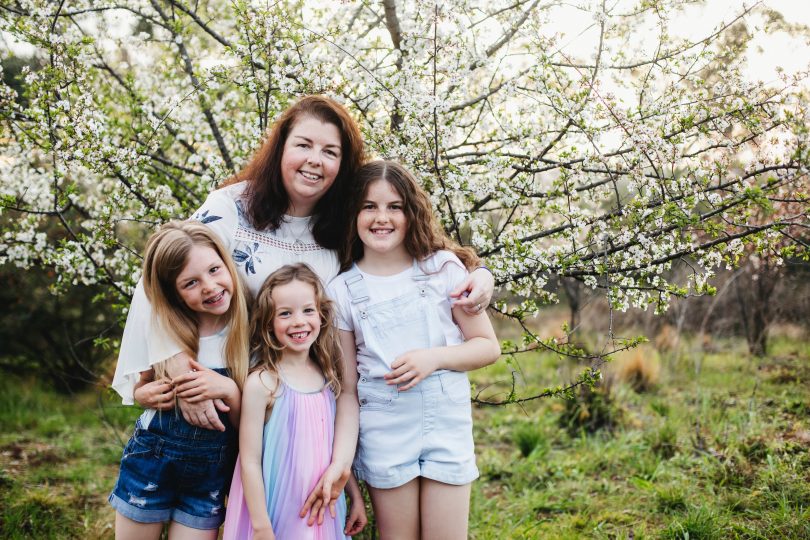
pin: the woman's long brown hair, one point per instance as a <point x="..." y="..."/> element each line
<point x="266" y="198"/>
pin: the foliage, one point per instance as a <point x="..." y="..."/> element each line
<point x="55" y="338"/>
<point x="652" y="477"/>
<point x="609" y="167"/>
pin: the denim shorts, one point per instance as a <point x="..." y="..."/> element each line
<point x="425" y="431"/>
<point x="176" y="471"/>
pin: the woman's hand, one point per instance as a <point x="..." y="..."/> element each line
<point x="479" y="286"/>
<point x="411" y="368"/>
<point x="202" y="383"/>
<point x="152" y="394"/>
<point x="325" y="494"/>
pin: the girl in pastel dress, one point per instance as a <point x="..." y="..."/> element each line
<point x="288" y="415"/>
<point x="172" y="471"/>
<point x="411" y="347"/>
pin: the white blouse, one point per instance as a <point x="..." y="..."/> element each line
<point x="256" y="254"/>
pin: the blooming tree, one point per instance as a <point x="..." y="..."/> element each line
<point x="608" y="166"/>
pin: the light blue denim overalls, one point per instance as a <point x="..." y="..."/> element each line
<point x="427" y="430"/>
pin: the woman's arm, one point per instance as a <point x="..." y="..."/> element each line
<point x="152" y="394"/>
<point x="480" y="348"/>
<point x="347" y="425"/>
<point x="256" y="400"/>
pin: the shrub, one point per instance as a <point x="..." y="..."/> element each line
<point x="666" y="340"/>
<point x="527" y="437"/>
<point x="591" y="410"/>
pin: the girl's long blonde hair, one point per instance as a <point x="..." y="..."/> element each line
<point x="166" y="255"/>
<point x="265" y="348"/>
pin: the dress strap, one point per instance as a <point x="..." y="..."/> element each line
<point x="285" y="385"/>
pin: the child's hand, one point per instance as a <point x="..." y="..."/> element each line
<point x="204" y="413"/>
<point x="154" y="394"/>
<point x="202" y="384"/>
<point x="325" y="494"/>
<point x="357" y="519"/>
<point x="411" y="368"/>
<point x="264" y="534"/>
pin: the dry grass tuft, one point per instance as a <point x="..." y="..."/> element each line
<point x="640" y="368"/>
<point x="666" y="340"/>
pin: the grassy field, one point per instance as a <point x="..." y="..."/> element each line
<point x="718" y="446"/>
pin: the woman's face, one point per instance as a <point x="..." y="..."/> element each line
<point x="310" y="163"/>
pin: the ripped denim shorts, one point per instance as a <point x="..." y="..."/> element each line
<point x="173" y="471"/>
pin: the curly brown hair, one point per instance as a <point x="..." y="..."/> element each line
<point x="266" y="351"/>
<point x="267" y="200"/>
<point x="424" y="236"/>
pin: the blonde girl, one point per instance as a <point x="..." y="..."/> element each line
<point x="288" y="413"/>
<point x="172" y="471"/>
<point x="411" y="346"/>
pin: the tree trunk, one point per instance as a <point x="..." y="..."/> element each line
<point x="573" y="291"/>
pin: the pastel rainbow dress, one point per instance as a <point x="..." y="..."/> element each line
<point x="297" y="449"/>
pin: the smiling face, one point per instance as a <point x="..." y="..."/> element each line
<point x="205" y="285"/>
<point x="310" y="163"/>
<point x="297" y="320"/>
<point x="381" y="222"/>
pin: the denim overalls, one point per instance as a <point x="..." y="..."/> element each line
<point x="172" y="470"/>
<point x="427" y="430"/>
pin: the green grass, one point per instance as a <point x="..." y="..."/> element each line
<point x="720" y="448"/>
<point x="58" y="460"/>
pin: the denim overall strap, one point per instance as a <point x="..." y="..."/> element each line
<point x="394" y="326"/>
<point x="420" y="279"/>
<point x="358" y="292"/>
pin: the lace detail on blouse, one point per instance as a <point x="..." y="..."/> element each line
<point x="268" y="239"/>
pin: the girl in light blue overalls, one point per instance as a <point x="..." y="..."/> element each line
<point x="411" y="349"/>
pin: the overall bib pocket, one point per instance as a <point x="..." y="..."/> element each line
<point x="455" y="386"/>
<point x="374" y="395"/>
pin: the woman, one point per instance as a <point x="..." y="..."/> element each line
<point x="288" y="205"/>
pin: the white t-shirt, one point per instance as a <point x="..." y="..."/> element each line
<point x="445" y="273"/>
<point x="211" y="355"/>
<point x="256" y="254"/>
